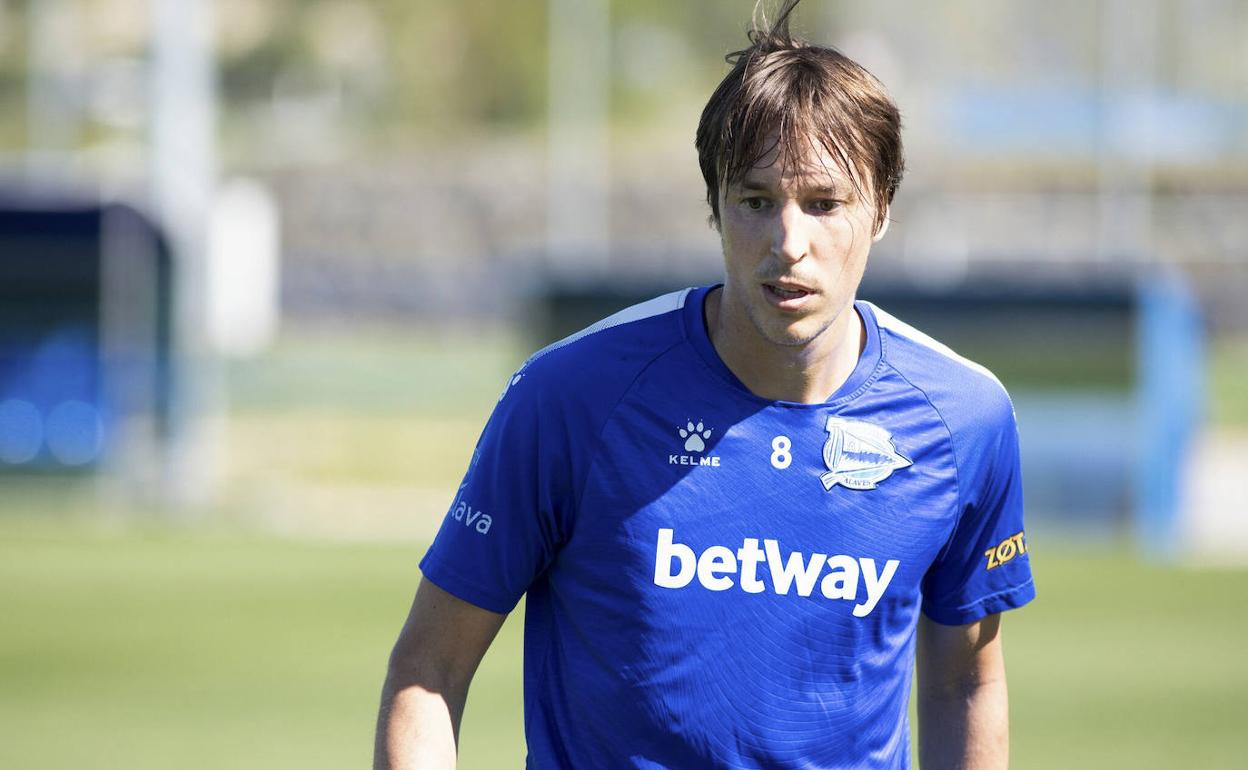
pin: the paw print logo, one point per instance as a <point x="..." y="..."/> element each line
<point x="694" y="435"/>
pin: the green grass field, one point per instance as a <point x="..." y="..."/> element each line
<point x="151" y="649"/>
<point x="156" y="650"/>
<point x="128" y="642"/>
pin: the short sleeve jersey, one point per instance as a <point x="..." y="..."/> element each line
<point x="716" y="580"/>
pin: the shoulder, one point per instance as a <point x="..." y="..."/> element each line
<point x="598" y="363"/>
<point x="969" y="398"/>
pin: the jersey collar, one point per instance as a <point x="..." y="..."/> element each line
<point x="698" y="336"/>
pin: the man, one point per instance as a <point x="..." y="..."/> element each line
<point x="741" y="512"/>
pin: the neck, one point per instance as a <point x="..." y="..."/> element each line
<point x="808" y="373"/>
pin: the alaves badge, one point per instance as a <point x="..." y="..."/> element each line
<point x="858" y="455"/>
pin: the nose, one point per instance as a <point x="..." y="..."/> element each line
<point x="790" y="241"/>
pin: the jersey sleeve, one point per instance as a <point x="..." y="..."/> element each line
<point x="985" y="567"/>
<point x="507" y="519"/>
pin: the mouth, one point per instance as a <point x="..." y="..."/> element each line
<point x="786" y="296"/>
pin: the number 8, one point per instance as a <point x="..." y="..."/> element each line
<point x="780" y="456"/>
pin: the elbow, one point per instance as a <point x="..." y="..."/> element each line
<point x="408" y="667"/>
<point x="963" y="690"/>
<point x="414" y="665"/>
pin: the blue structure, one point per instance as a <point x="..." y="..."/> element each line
<point x="1169" y="406"/>
<point x="84" y="331"/>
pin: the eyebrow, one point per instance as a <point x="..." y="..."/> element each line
<point x="823" y="189"/>
<point x="750" y="184"/>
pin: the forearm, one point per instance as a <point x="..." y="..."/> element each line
<point x="966" y="729"/>
<point x="427" y="679"/>
<point x="418" y="726"/>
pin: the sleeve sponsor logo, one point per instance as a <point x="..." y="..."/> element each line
<point x="1012" y="546"/>
<point x="473" y="519"/>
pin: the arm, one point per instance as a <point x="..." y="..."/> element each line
<point x="427" y="681"/>
<point x="962" y="703"/>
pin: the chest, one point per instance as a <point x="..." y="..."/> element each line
<point x="713" y="496"/>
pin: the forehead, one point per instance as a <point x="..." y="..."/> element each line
<point x="805" y="164"/>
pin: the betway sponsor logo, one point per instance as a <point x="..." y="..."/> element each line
<point x="676" y="565"/>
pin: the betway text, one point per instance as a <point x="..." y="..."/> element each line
<point x="676" y="565"/>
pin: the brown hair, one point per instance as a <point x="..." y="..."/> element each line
<point x="800" y="94"/>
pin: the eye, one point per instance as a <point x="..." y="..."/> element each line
<point x="827" y="205"/>
<point x="754" y="203"/>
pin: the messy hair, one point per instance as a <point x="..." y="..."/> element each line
<point x="784" y="92"/>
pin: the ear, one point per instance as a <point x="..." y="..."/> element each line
<point x="883" y="225"/>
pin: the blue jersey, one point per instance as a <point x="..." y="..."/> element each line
<point x="716" y="580"/>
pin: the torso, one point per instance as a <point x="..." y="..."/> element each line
<point x="693" y="476"/>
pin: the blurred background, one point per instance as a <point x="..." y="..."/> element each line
<point x="265" y="266"/>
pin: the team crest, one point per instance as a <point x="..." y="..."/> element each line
<point x="858" y="455"/>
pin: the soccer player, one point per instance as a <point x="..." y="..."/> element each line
<point x="740" y="513"/>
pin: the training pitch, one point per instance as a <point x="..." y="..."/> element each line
<point x="149" y="649"/>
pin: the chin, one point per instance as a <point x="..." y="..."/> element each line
<point x="789" y="332"/>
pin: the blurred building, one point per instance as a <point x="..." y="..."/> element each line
<point x="405" y="140"/>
